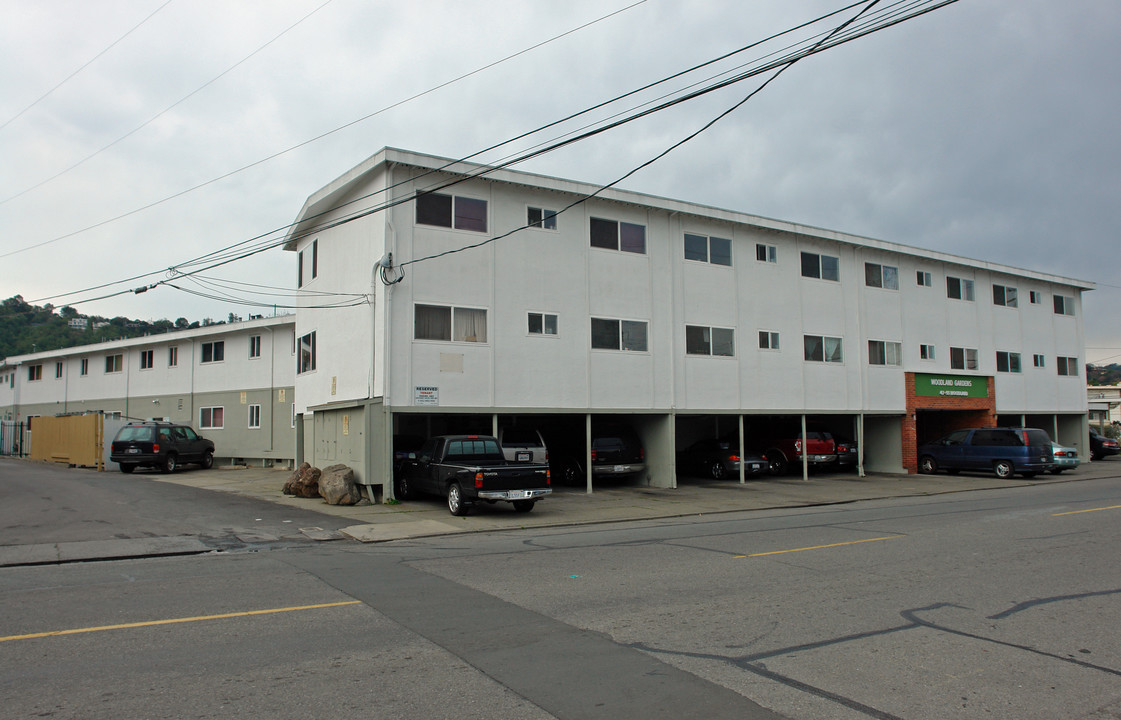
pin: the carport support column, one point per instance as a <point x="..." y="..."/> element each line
<point x="805" y="455"/>
<point x="494" y="424"/>
<point x="860" y="445"/>
<point x="743" y="475"/>
<point x="588" y="451"/>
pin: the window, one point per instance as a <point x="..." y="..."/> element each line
<point x="114" y="363"/>
<point x="254" y="346"/>
<point x="306" y="358"/>
<point x="710" y="341"/>
<point x="1038" y="359"/>
<point x="300" y="269"/>
<point x="214" y="351"/>
<point x="58" y="370"/>
<point x="614" y="235"/>
<point x="541" y="218"/>
<point x="963" y="358"/>
<point x="451" y="211"/>
<point x="439" y="322"/>
<point x="314" y="258"/>
<point x="881" y="352"/>
<point x="766" y="253"/>
<point x="172" y="356"/>
<point x="959" y="289"/>
<point x="1064" y="305"/>
<point x="923" y="278"/>
<point x="926" y="352"/>
<point x="34" y="373"/>
<point x="825" y="267"/>
<point x="542" y="324"/>
<point x="1068" y="366"/>
<point x="254" y="417"/>
<point x="146" y="359"/>
<point x="881" y="276"/>
<point x="211" y="418"/>
<point x="823" y="349"/>
<point x="1007" y="362"/>
<point x="768" y="340"/>
<point x="627" y="335"/>
<point x="85" y="366"/>
<point x="1036" y="298"/>
<point x="1005" y="296"/>
<point x="705" y="248"/>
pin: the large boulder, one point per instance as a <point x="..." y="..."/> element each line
<point x="337" y="486"/>
<point x="304" y="482"/>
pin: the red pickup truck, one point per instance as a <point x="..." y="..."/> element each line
<point x="785" y="453"/>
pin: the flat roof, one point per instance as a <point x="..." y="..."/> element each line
<point x="324" y="198"/>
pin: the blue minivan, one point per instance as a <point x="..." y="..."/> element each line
<point x="1003" y="451"/>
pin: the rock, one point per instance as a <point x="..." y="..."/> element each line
<point x="294" y="479"/>
<point x="304" y="482"/>
<point x="337" y="486"/>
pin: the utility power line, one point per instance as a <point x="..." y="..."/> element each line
<point x="896" y="13"/>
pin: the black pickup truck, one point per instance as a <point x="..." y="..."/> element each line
<point x="470" y="468"/>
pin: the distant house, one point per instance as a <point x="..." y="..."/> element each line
<point x="78" y="323"/>
<point x="100" y="324"/>
<point x="1105" y="404"/>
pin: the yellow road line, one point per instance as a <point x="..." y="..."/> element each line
<point x="148" y="623"/>
<point x="819" y="547"/>
<point x="1075" y="512"/>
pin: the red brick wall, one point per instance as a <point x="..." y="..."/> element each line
<point x="969" y="412"/>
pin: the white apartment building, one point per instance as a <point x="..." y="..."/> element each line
<point x="681" y="320"/>
<point x="231" y="382"/>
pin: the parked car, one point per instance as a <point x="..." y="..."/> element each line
<point x="1066" y="458"/>
<point x="159" y="444"/>
<point x="846" y="453"/>
<point x="405" y="448"/>
<point x="521" y="443"/>
<point x="1004" y="451"/>
<point x="616" y="453"/>
<point x="719" y="459"/>
<point x="1101" y="446"/>
<point x="467" y="469"/>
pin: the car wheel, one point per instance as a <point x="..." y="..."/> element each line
<point x="928" y="465"/>
<point x="127" y="468"/>
<point x="1095" y="456"/>
<point x="456" y="506"/>
<point x="1003" y="469"/>
<point x="523" y="506"/>
<point x="207" y="460"/>
<point x="170" y="463"/>
<point x="1056" y="471"/>
<point x="401" y="491"/>
<point x="777" y="462"/>
<point x="718" y="471"/>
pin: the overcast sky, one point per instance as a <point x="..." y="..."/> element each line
<point x="987" y="128"/>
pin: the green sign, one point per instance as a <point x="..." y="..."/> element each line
<point x="951" y="385"/>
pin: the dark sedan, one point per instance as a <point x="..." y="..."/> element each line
<point x="718" y="459"/>
<point x="1101" y="446"/>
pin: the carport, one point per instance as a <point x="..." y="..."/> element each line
<point x="566" y="434"/>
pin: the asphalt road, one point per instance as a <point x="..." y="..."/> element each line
<point x="998" y="604"/>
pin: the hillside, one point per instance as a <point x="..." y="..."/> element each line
<point x="26" y="328"/>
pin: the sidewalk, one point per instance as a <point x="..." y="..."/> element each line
<point x="428" y="517"/>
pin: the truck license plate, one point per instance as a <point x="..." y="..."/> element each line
<point x="133" y="450"/>
<point x="523" y="456"/>
<point x="620" y="468"/>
